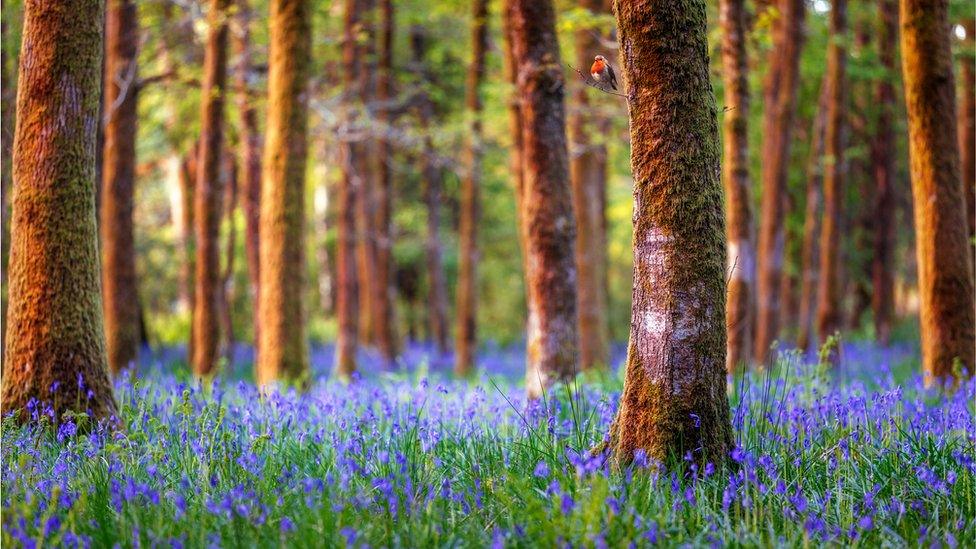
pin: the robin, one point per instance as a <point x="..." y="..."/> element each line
<point x="602" y="72"/>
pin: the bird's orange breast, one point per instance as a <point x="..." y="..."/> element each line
<point x="597" y="67"/>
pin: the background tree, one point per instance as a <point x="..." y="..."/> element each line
<point x="467" y="291"/>
<point x="120" y="292"/>
<point x="55" y="346"/>
<point x="547" y="206"/>
<point x="674" y="397"/>
<point x="810" y="251"/>
<point x="208" y="194"/>
<point x="779" y="104"/>
<point x="829" y="292"/>
<point x="736" y="181"/>
<point x="347" y="298"/>
<point x="945" y="273"/>
<point x="967" y="122"/>
<point x="588" y="174"/>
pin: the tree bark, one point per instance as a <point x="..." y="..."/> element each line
<point x="8" y="97"/>
<point x="883" y="160"/>
<point x="283" y="353"/>
<point x="208" y="194"/>
<point x="347" y="284"/>
<point x="433" y="177"/>
<point x="780" y="106"/>
<point x="226" y="299"/>
<point x="547" y="205"/>
<point x="736" y="181"/>
<point x="810" y="251"/>
<point x="387" y="338"/>
<point x="250" y="143"/>
<point x="467" y="290"/>
<point x="674" y="398"/>
<point x="967" y="125"/>
<point x="119" y="288"/>
<point x="188" y="170"/>
<point x="55" y="346"/>
<point x="945" y="273"/>
<point x="367" y="168"/>
<point x="835" y="171"/>
<point x="588" y="175"/>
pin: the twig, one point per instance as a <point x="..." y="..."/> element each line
<point x="589" y="81"/>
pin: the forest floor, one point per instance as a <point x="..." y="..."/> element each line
<point x="863" y="456"/>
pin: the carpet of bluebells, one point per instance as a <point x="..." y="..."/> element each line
<point x="856" y="455"/>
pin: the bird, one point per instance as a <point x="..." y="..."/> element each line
<point x="601" y="71"/>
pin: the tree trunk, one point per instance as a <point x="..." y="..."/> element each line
<point x="810" y="251"/>
<point x="467" y="289"/>
<point x="780" y="106"/>
<point x="347" y="284"/>
<point x="547" y="204"/>
<point x="588" y="174"/>
<point x="945" y="273"/>
<point x="367" y="169"/>
<point x="835" y="171"/>
<point x="283" y="353"/>
<point x="55" y="346"/>
<point x="188" y="170"/>
<point x="119" y="288"/>
<point x="226" y="298"/>
<point x="433" y="177"/>
<point x="883" y="160"/>
<point x="674" y="397"/>
<point x="8" y="97"/>
<point x="250" y="143"/>
<point x="385" y="330"/>
<point x="967" y="125"/>
<point x="735" y="179"/>
<point x="208" y="194"/>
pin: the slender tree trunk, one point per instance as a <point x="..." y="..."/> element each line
<point x="226" y="298"/>
<point x="347" y="284"/>
<point x="587" y="171"/>
<point x="547" y="205"/>
<point x="810" y="252"/>
<point x="387" y="338"/>
<point x="433" y="177"/>
<point x="883" y="161"/>
<point x="283" y="353"/>
<point x="467" y="290"/>
<point x="779" y="108"/>
<point x="735" y="179"/>
<point x="250" y="143"/>
<point x="208" y="194"/>
<point x="55" y="346"/>
<point x="368" y="168"/>
<point x="945" y="272"/>
<point x="835" y="171"/>
<point x="967" y="124"/>
<point x="188" y="170"/>
<point x="515" y="129"/>
<point x="674" y="397"/>
<point x="120" y="291"/>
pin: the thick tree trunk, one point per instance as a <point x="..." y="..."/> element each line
<point x="967" y="124"/>
<point x="735" y="179"/>
<point x="120" y="291"/>
<point x="250" y="153"/>
<point x="588" y="174"/>
<point x="674" y="397"/>
<point x="386" y="335"/>
<point x="810" y="251"/>
<point x="283" y="353"/>
<point x="883" y="161"/>
<point x="945" y="273"/>
<point x="547" y="204"/>
<point x="835" y="170"/>
<point x="55" y="346"/>
<point x="780" y="106"/>
<point x="347" y="284"/>
<point x="209" y="193"/>
<point x="467" y="289"/>
<point x="433" y="177"/>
